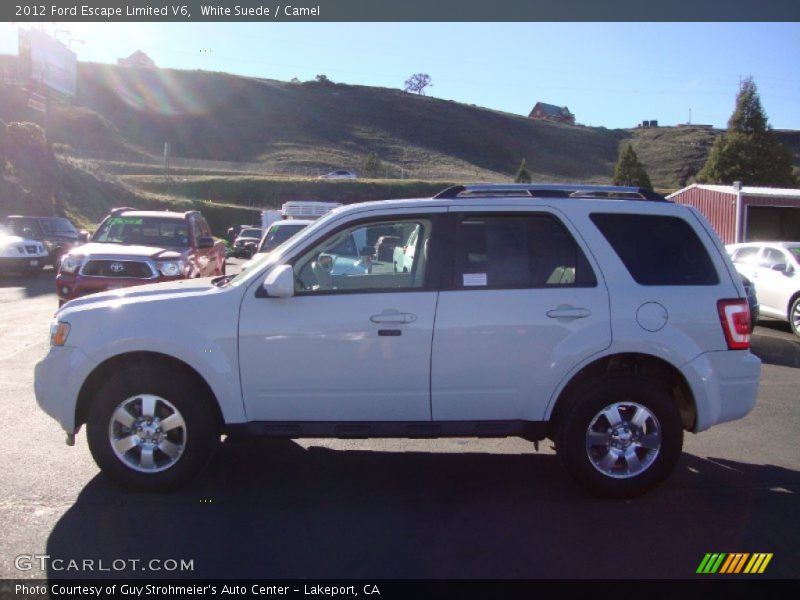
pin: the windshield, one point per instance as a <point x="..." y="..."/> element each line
<point x="144" y="231"/>
<point x="277" y="234"/>
<point x="251" y="233"/>
<point x="58" y="226"/>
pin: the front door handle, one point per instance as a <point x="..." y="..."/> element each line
<point x="393" y="316"/>
<point x="568" y="312"/>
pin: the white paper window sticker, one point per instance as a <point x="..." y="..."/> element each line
<point x="474" y="279"/>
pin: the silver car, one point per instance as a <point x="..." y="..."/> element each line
<point x="774" y="269"/>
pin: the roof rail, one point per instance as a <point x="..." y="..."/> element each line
<point x="548" y="190"/>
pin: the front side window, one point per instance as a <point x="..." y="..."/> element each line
<point x="746" y="256"/>
<point x="58" y="227"/>
<point x="376" y="256"/>
<point x="518" y="251"/>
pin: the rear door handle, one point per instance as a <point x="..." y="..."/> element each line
<point x="568" y="312"/>
<point x="393" y="316"/>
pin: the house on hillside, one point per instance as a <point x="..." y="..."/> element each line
<point x="137" y="60"/>
<point x="745" y="214"/>
<point x="551" y="112"/>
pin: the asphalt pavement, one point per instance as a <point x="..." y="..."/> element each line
<point x="443" y="509"/>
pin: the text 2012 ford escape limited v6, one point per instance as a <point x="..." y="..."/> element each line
<point x="604" y="318"/>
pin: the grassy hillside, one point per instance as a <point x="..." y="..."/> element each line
<point x="110" y="143"/>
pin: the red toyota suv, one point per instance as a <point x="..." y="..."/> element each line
<point x="133" y="247"/>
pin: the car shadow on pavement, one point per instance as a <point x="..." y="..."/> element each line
<point x="776" y="351"/>
<point x="271" y="509"/>
<point x="40" y="284"/>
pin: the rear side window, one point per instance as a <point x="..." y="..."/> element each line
<point x="518" y="251"/>
<point x="658" y="250"/>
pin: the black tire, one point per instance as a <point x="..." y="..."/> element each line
<point x="584" y="421"/>
<point x="794" y="316"/>
<point x="194" y="442"/>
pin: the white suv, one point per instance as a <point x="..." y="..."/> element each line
<point x="604" y="318"/>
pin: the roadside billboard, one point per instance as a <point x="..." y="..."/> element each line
<point x="48" y="61"/>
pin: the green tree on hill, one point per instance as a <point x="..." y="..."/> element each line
<point x="372" y="167"/>
<point x="523" y="175"/>
<point x="630" y="171"/>
<point x="748" y="151"/>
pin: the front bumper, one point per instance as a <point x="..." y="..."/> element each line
<point x="58" y="378"/>
<point x="22" y="263"/>
<point x="725" y="385"/>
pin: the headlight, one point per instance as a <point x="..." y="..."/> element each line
<point x="70" y="264"/>
<point x="49" y="245"/>
<point x="59" y="332"/>
<point x="171" y="268"/>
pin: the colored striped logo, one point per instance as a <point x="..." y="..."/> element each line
<point x="734" y="563"/>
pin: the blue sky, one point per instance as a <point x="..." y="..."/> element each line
<point x="608" y="74"/>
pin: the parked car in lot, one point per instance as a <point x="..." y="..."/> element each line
<point x="525" y="310"/>
<point x="246" y="242"/>
<point x="338" y="174"/>
<point x="279" y="232"/>
<point x="20" y="255"/>
<point x="774" y="269"/>
<point x="132" y="247"/>
<point x="57" y="234"/>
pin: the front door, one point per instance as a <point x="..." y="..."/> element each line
<point x="354" y="342"/>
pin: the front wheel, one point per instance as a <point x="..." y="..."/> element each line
<point x="794" y="316"/>
<point x="621" y="437"/>
<point x="151" y="429"/>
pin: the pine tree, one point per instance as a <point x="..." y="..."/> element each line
<point x="373" y="167"/>
<point x="748" y="151"/>
<point x="523" y="175"/>
<point x="630" y="171"/>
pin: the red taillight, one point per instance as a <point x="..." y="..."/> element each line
<point x="735" y="318"/>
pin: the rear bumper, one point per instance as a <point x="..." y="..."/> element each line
<point x="724" y="384"/>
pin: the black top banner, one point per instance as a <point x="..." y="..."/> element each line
<point x="399" y="10"/>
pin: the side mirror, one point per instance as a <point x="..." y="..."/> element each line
<point x="205" y="242"/>
<point x="280" y="282"/>
<point x="84" y="236"/>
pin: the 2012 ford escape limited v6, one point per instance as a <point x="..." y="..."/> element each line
<point x="604" y="318"/>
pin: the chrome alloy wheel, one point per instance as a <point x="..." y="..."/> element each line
<point x="623" y="440"/>
<point x="147" y="433"/>
<point x="795" y="318"/>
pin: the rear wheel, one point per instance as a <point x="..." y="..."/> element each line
<point x="151" y="429"/>
<point x="794" y="316"/>
<point x="621" y="436"/>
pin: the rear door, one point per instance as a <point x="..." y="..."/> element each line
<point x="523" y="306"/>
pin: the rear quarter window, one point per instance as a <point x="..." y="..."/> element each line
<point x="657" y="249"/>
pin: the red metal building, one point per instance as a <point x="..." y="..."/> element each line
<point x="743" y="214"/>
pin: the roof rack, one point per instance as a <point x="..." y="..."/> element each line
<point x="547" y="190"/>
<point x="121" y="209"/>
